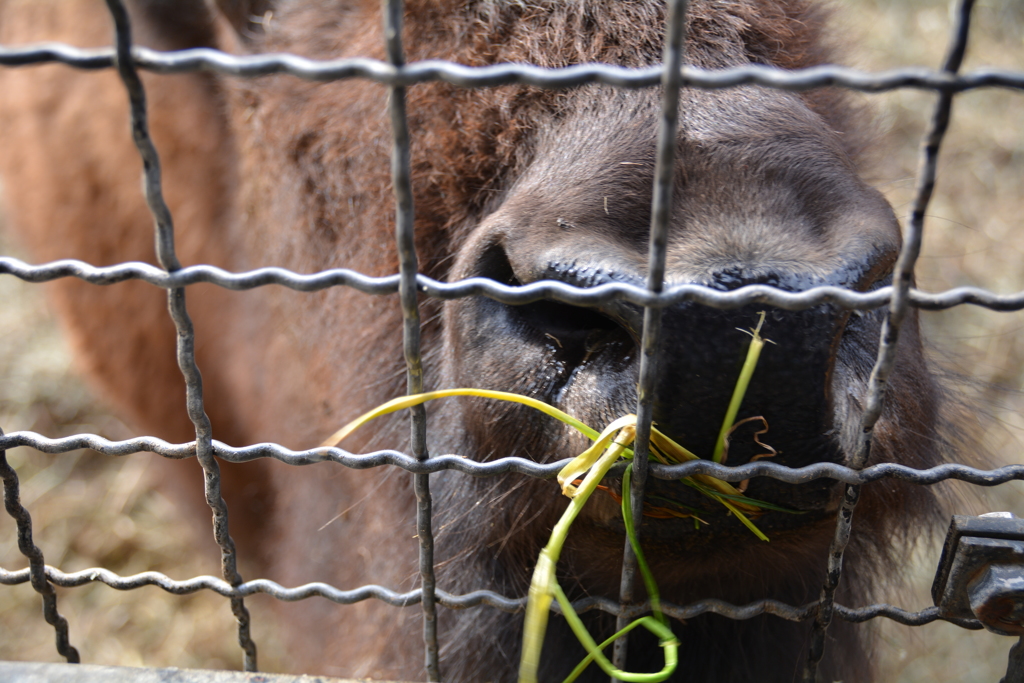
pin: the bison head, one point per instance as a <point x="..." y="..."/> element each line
<point x="765" y="193"/>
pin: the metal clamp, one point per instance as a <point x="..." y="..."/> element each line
<point x="981" y="575"/>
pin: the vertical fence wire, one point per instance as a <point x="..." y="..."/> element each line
<point x="899" y="307"/>
<point x="661" y="213"/>
<point x="36" y="563"/>
<point x="167" y="257"/>
<point x="405" y="239"/>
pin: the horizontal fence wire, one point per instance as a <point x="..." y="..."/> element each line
<point x="470" y="600"/>
<point x="515" y="295"/>
<point x="252" y="66"/>
<point x="515" y="465"/>
<point x="398" y="75"/>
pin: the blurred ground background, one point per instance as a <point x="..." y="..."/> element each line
<point x="94" y="511"/>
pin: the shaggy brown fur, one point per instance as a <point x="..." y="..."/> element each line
<point x="514" y="183"/>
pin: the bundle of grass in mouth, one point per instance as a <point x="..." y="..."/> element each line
<point x="578" y="480"/>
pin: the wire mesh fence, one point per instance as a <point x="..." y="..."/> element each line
<point x="896" y="299"/>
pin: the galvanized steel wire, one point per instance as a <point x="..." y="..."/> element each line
<point x="37" y="569"/>
<point x="661" y="209"/>
<point x="251" y="66"/>
<point x="653" y="295"/>
<point x="466" y="601"/>
<point x="401" y="176"/>
<point x="899" y="307"/>
<point x="508" y="294"/>
<point x="514" y="465"/>
<point x="166" y="256"/>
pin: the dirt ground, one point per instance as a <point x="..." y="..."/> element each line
<point x="94" y="511"/>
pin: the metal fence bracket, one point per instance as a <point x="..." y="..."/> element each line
<point x="981" y="575"/>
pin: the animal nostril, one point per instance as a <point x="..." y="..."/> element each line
<point x="736" y="277"/>
<point x="574" y="329"/>
<point x="575" y="337"/>
<point x="565" y="324"/>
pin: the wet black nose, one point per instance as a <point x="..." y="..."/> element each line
<point x="702" y="351"/>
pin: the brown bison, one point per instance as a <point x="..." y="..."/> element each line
<point x="516" y="184"/>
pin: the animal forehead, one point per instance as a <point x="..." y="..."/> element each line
<point x="557" y="32"/>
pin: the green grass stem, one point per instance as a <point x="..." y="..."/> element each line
<point x="544" y="583"/>
<point x="594" y="651"/>
<point x="592" y="465"/>
<point x="627" y="518"/>
<point x="403" y="402"/>
<point x="740" y="390"/>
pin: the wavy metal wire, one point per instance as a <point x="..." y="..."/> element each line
<point x="661" y="209"/>
<point x="396" y="74"/>
<point x="36" y="571"/>
<point x="530" y="468"/>
<point x="508" y="294"/>
<point x="251" y="66"/>
<point x="469" y="600"/>
<point x="401" y="176"/>
<point x="899" y="307"/>
<point x="168" y="259"/>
